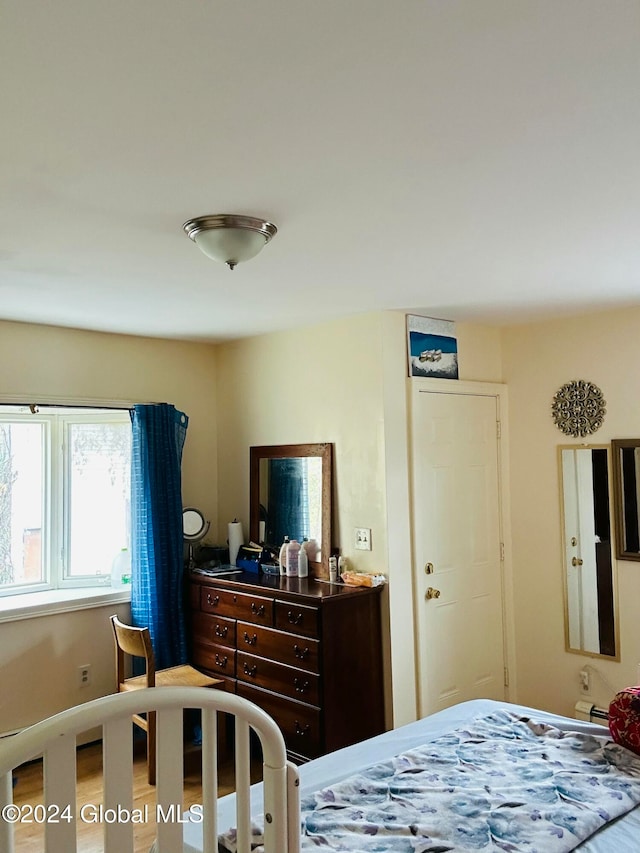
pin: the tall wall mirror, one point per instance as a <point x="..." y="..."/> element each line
<point x="591" y="625"/>
<point x="290" y="495"/>
<point x="626" y="481"/>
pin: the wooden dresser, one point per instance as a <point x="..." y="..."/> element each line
<point x="308" y="653"/>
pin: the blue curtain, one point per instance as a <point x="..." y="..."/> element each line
<point x="157" y="562"/>
<point x="288" y="506"/>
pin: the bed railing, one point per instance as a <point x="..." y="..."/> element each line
<point x="55" y="740"/>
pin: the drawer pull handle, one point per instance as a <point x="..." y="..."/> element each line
<point x="213" y="600"/>
<point x="294" y="620"/>
<point x="250" y="670"/>
<point x="300" y="686"/>
<point x="250" y="641"/>
<point x="301" y="654"/>
<point x="302" y="730"/>
<point x="258" y="611"/>
<point x="221" y="662"/>
<point x="222" y="631"/>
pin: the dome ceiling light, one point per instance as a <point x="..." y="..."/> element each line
<point x="229" y="238"/>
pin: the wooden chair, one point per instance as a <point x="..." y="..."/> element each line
<point x="137" y="643"/>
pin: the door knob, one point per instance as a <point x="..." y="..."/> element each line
<point x="432" y="593"/>
<point x="576" y="561"/>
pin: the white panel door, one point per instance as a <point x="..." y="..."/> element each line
<point x="457" y="549"/>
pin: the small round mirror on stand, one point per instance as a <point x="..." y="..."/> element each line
<point x="194" y="528"/>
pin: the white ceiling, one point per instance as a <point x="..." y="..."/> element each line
<point x="465" y="159"/>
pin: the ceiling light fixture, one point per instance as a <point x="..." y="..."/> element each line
<point x="229" y="238"/>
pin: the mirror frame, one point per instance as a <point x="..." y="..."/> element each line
<point x="618" y="444"/>
<point x="204" y="527"/>
<point x="288" y="451"/>
<point x="614" y="570"/>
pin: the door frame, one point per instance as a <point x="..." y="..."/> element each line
<point x="497" y="391"/>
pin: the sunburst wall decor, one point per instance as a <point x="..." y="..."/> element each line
<point x="578" y="408"/>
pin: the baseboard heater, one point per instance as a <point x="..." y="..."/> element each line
<point x="585" y="710"/>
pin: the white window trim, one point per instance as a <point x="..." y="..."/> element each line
<point x="29" y="605"/>
<point x="43" y="600"/>
<point x="87" y="582"/>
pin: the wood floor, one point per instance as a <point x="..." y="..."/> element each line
<point x="29" y="838"/>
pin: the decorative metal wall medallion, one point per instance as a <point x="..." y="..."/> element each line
<point x="578" y="408"/>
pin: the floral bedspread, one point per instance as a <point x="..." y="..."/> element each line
<point x="505" y="783"/>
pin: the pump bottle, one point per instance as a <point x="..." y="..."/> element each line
<point x="303" y="560"/>
<point x="293" y="551"/>
<point x="282" y="557"/>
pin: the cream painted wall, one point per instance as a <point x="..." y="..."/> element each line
<point x="39" y="660"/>
<point x="321" y="383"/>
<point x="603" y="348"/>
<point x="39" y="657"/>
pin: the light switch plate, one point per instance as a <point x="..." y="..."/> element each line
<point x="363" y="538"/>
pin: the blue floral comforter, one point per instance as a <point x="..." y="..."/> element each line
<point x="503" y="783"/>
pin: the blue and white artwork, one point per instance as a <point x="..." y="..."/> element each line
<point x="433" y="348"/>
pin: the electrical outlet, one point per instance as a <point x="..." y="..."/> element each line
<point x="84" y="675"/>
<point x="363" y="538"/>
<point x="585" y="684"/>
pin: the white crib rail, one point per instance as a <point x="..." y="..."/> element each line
<point x="55" y="740"/>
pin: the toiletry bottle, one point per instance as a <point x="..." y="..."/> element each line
<point x="121" y="569"/>
<point x="282" y="558"/>
<point x="293" y="550"/>
<point x="333" y="569"/>
<point x="303" y="560"/>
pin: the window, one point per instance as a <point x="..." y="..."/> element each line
<point x="64" y="496"/>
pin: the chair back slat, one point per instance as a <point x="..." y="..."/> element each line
<point x="132" y="641"/>
<point x="209" y="724"/>
<point x="243" y="781"/>
<point x="169" y="783"/>
<point x="59" y="782"/>
<point x="117" y="763"/>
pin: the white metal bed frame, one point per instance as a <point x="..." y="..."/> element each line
<point x="55" y="740"/>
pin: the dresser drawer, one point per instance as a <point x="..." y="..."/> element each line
<point x="238" y="605"/>
<point x="299" y="723"/>
<point x="301" y="652"/>
<point x="211" y="628"/>
<point x="215" y="658"/>
<point x="294" y="683"/>
<point x="298" y="618"/>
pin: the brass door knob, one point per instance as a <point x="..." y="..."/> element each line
<point x="432" y="593"/>
<point x="576" y="561"/>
